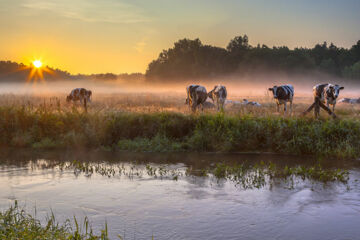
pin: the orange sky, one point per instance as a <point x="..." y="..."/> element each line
<point x="93" y="36"/>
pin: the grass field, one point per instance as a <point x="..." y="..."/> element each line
<point x="155" y="122"/>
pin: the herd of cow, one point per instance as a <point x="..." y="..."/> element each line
<point x="325" y="93"/>
<point x="197" y="96"/>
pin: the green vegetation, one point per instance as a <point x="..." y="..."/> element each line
<point x="15" y="223"/>
<point x="245" y="175"/>
<point x="190" y="59"/>
<point x="166" y="131"/>
<point x="258" y="175"/>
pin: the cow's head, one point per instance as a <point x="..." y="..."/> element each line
<point x="210" y="95"/>
<point x="68" y="98"/>
<point x="274" y="91"/>
<point x="88" y="95"/>
<point x="187" y="101"/>
<point x="212" y="92"/>
<point x="334" y="90"/>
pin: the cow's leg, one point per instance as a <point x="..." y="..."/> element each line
<point x="189" y="104"/>
<point x="334" y="107"/>
<point x="291" y="107"/>
<point x="327" y="109"/>
<point x="317" y="107"/>
<point x="85" y="105"/>
<point x="310" y="108"/>
<point x="285" y="108"/>
<point x="193" y="107"/>
<point x="277" y="107"/>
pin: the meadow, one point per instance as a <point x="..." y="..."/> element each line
<point x="158" y="122"/>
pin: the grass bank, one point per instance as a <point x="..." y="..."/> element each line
<point x="15" y="223"/>
<point x="165" y="131"/>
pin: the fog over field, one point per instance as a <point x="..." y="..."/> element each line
<point x="237" y="86"/>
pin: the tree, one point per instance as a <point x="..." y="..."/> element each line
<point x="238" y="43"/>
<point x="191" y="59"/>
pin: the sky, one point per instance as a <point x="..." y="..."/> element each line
<point x="99" y="36"/>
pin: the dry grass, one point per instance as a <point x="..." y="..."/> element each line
<point x="155" y="102"/>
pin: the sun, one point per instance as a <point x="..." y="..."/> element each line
<point x="37" y="63"/>
<point x="37" y="68"/>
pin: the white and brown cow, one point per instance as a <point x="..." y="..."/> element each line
<point x="196" y="96"/>
<point x="282" y="95"/>
<point x="327" y="93"/>
<point x="80" y="94"/>
<point x="218" y="95"/>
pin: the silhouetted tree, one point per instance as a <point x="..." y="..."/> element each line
<point x="190" y="58"/>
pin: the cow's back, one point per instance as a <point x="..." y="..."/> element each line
<point x="201" y="94"/>
<point x="319" y="90"/>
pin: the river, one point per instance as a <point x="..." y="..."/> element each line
<point x="138" y="205"/>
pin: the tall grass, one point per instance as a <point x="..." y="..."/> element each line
<point x="168" y="131"/>
<point x="15" y="223"/>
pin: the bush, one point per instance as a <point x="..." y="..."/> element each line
<point x="178" y="132"/>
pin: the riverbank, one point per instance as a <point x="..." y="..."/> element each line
<point x="16" y="223"/>
<point x="176" y="132"/>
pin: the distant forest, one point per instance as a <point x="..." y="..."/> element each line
<point x="192" y="59"/>
<point x="18" y="72"/>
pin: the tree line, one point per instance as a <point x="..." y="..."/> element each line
<point x="19" y="72"/>
<point x="189" y="59"/>
<point x="192" y="59"/>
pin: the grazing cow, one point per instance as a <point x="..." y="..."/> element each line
<point x="80" y="94"/>
<point x="327" y="93"/>
<point x="196" y="95"/>
<point x="218" y="95"/>
<point x="350" y="100"/>
<point x="282" y="95"/>
<point x="246" y="102"/>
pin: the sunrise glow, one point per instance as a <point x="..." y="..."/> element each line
<point x="37" y="63"/>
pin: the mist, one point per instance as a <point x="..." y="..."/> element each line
<point x="249" y="85"/>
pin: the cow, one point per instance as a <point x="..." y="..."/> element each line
<point x="218" y="95"/>
<point x="326" y="93"/>
<point x="251" y="103"/>
<point x="80" y="94"/>
<point x="196" y="95"/>
<point x="350" y="100"/>
<point x="283" y="94"/>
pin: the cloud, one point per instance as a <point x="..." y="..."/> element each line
<point x="108" y="11"/>
<point x="139" y="47"/>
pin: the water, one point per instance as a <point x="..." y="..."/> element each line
<point x="193" y="207"/>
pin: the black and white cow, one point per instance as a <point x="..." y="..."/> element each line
<point x="350" y="100"/>
<point x="282" y="95"/>
<point x="80" y="94"/>
<point x="327" y="93"/>
<point x="196" y="95"/>
<point x="218" y="95"/>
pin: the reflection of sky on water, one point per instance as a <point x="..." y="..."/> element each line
<point x="190" y="208"/>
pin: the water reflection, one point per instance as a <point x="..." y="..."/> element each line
<point x="191" y="207"/>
